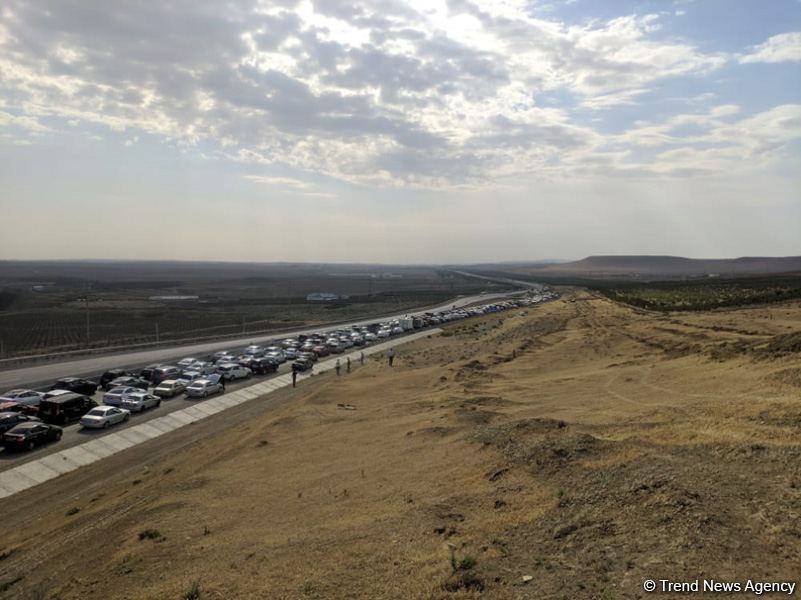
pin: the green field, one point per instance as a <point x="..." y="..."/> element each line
<point x="702" y="294"/>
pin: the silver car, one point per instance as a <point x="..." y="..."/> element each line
<point x="103" y="417"/>
<point x="115" y="396"/>
<point x="26" y="397"/>
<point x="200" y="388"/>
<point x="141" y="402"/>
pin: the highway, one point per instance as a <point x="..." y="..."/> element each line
<point x="45" y="374"/>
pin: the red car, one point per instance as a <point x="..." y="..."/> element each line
<point x="11" y="406"/>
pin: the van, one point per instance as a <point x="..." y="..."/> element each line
<point x="65" y="407"/>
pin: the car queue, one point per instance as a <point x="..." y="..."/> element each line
<point x="32" y="417"/>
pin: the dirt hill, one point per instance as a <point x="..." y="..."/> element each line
<point x="662" y="266"/>
<point x="570" y="452"/>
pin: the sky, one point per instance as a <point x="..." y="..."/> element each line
<point x="418" y="131"/>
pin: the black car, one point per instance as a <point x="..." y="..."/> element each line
<point x="111" y="375"/>
<point x="302" y="364"/>
<point x="76" y="384"/>
<point x="8" y="420"/>
<point x="148" y="372"/>
<point x="264" y="365"/>
<point x="65" y="407"/>
<point x="27" y="435"/>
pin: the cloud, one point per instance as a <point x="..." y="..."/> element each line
<point x="421" y="93"/>
<point x="785" y="47"/>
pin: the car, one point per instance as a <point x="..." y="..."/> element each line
<point x="186" y="362"/>
<point x="223" y="356"/>
<point x="26" y="397"/>
<point x="189" y="376"/>
<point x="147" y="372"/>
<point x="77" y="385"/>
<point x="254" y="350"/>
<point x="202" y="367"/>
<point x="65" y="407"/>
<point x="111" y="375"/>
<point x="263" y="365"/>
<point x="165" y="372"/>
<point x="27" y="435"/>
<point x="115" y="396"/>
<point x="277" y="355"/>
<point x="291" y="353"/>
<point x="128" y="381"/>
<point x="308" y="356"/>
<point x="302" y="364"/>
<point x="169" y="388"/>
<point x="233" y="371"/>
<point x="104" y="417"/>
<point x="321" y="350"/>
<point x="9" y="420"/>
<point x="140" y="402"/>
<point x="17" y="407"/>
<point x="200" y="388"/>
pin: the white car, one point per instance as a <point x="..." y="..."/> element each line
<point x="103" y="417"/>
<point x="26" y="397"/>
<point x="231" y="371"/>
<point x="141" y="402"/>
<point x="186" y="362"/>
<point x="254" y="349"/>
<point x="115" y="396"/>
<point x="200" y="388"/>
<point x="201" y="367"/>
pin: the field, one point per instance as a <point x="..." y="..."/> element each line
<point x="704" y="294"/>
<point x="51" y="307"/>
<point x="572" y="450"/>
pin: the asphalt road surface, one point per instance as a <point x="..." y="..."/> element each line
<point x="74" y="434"/>
<point x="46" y="374"/>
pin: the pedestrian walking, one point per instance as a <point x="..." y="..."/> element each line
<point x="361" y="357"/>
<point x="294" y="376"/>
<point x="338" y="367"/>
<point x="348" y="364"/>
<point x="391" y="356"/>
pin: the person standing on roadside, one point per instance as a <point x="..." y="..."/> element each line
<point x="294" y="376"/>
<point x="391" y="356"/>
<point x="361" y="357"/>
<point x="338" y="367"/>
<point x="347" y="364"/>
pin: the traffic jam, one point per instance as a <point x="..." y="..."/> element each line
<point x="33" y="417"/>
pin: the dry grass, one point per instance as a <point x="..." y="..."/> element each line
<point x="587" y="445"/>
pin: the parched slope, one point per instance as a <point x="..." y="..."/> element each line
<point x="584" y="445"/>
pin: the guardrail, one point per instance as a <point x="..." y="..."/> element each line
<point x="17" y="360"/>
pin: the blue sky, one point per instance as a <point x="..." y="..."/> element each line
<point x="399" y="131"/>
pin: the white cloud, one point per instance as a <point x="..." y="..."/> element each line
<point x="785" y="47"/>
<point x="420" y="94"/>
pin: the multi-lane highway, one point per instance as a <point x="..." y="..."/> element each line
<point x="45" y="374"/>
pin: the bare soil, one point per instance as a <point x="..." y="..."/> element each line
<point x="584" y="446"/>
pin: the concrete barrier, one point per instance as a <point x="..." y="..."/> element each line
<point x="17" y="479"/>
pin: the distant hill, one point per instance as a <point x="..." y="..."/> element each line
<point x="661" y="266"/>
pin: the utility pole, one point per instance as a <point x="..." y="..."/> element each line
<point x="86" y="302"/>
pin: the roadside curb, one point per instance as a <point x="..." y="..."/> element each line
<point x="30" y="474"/>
